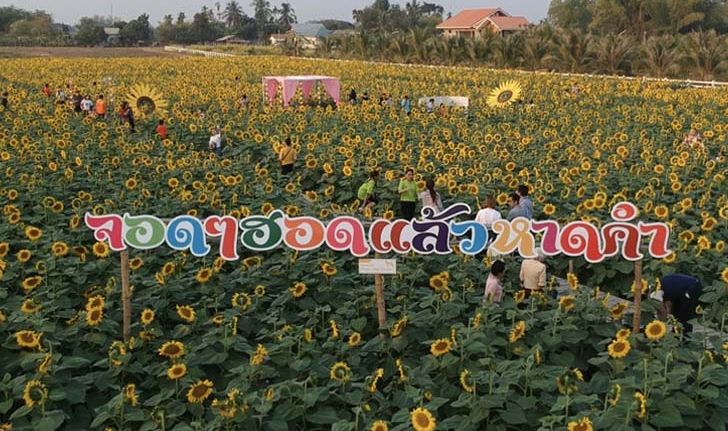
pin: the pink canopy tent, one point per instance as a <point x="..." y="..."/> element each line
<point x="289" y="84"/>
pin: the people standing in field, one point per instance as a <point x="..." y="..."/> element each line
<point x="127" y="116"/>
<point x="516" y="210"/>
<point x="525" y="202"/>
<point x="693" y="139"/>
<point x="488" y="214"/>
<point x="287" y="157"/>
<point x="60" y="96"/>
<point x="430" y="106"/>
<point x="244" y="102"/>
<point x="407" y="190"/>
<point x="215" y="142"/>
<point x="161" y="129"/>
<point x="366" y="194"/>
<point x="100" y="107"/>
<point x="352" y="97"/>
<point x="406" y="105"/>
<point x="493" y="286"/>
<point x="533" y="273"/>
<point x="76" y="101"/>
<point x="47" y="90"/>
<point x="431" y="198"/>
<point x="87" y="105"/>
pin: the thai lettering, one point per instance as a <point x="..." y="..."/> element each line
<point x="261" y="233"/>
<point x="109" y="228"/>
<point x="143" y="232"/>
<point x="347" y="233"/>
<point x="225" y="228"/>
<point x="186" y="233"/>
<point x="514" y="235"/>
<point x="433" y="232"/>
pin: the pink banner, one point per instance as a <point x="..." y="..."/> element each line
<point x="306" y="87"/>
<point x="289" y="90"/>
<point x="333" y="87"/>
<point x="271" y="86"/>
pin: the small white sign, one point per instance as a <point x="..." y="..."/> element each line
<point x="377" y="266"/>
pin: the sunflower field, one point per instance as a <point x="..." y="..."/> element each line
<point x="283" y="340"/>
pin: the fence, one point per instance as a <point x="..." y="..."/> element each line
<point x="197" y="52"/>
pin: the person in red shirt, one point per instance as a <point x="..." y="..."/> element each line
<point x="47" y="90"/>
<point x="162" y="129"/>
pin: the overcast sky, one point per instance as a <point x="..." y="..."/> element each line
<point x="69" y="11"/>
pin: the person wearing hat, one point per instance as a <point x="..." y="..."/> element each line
<point x="680" y="297"/>
<point x="533" y="273"/>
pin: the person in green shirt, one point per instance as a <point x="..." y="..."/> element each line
<point x="366" y="192"/>
<point x="407" y="195"/>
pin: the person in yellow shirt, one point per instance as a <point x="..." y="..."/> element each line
<point x="287" y="156"/>
<point x="533" y="273"/>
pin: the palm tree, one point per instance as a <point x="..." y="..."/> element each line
<point x="672" y="16"/>
<point x="419" y="45"/>
<point x="286" y="16"/>
<point x="399" y="48"/>
<point x="233" y="15"/>
<point x="537" y="48"/>
<point x="573" y="50"/>
<point x="508" y="51"/>
<point x="705" y="54"/>
<point x="659" y="55"/>
<point x="612" y="53"/>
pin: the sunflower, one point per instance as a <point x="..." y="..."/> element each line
<point x="203" y="275"/>
<point x="655" y="330"/>
<point x="168" y="268"/>
<point x="23" y="255"/>
<point x="35" y="393"/>
<point x="440" y="347"/>
<point x="566" y="303"/>
<point x="29" y="306"/>
<point x="583" y="424"/>
<point x="176" y="371"/>
<point x="618" y="310"/>
<point x="619" y="348"/>
<point x="186" y="313"/>
<point x="259" y="357"/>
<point x="340" y="372"/>
<point x="259" y="291"/>
<point x="641" y="405"/>
<point x="298" y="290"/>
<point x="199" y="391"/>
<point x="147" y="316"/>
<point x="438" y="282"/>
<point x="354" y="339"/>
<point x="242" y="301"/>
<point x="59" y="249"/>
<point x="379" y="426"/>
<point x="45" y="364"/>
<point x="623" y="333"/>
<point x="130" y="394"/>
<point x="3" y="318"/>
<point x="549" y="209"/>
<point x="100" y="249"/>
<point x="145" y="99"/>
<point x="519" y="296"/>
<point x="506" y="93"/>
<point x="517" y="332"/>
<point x="422" y="419"/>
<point x="466" y="382"/>
<point x="398" y="326"/>
<point x="95" y="302"/>
<point x="94" y="317"/>
<point x="28" y="339"/>
<point x="136" y="263"/>
<point x="573" y="280"/>
<point x="724" y="275"/>
<point x="33" y="233"/>
<point x="328" y="269"/>
<point x="31" y="283"/>
<point x="172" y="350"/>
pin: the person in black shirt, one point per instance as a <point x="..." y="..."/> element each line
<point x="680" y="297"/>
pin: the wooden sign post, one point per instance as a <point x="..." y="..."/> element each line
<point x="637" y="296"/>
<point x="125" y="295"/>
<point x="378" y="267"/>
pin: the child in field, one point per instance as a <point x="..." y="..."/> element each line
<point x="162" y="129"/>
<point x="215" y="143"/>
<point x="493" y="286"/>
<point x="287" y="157"/>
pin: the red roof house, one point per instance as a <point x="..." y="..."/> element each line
<point x="474" y="22"/>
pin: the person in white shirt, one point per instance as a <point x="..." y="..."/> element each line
<point x="216" y="142"/>
<point x="430" y="198"/>
<point x="488" y="214"/>
<point x="533" y="273"/>
<point x="87" y="105"/>
<point x="430" y="106"/>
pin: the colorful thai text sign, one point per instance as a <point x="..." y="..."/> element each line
<point x="437" y="233"/>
